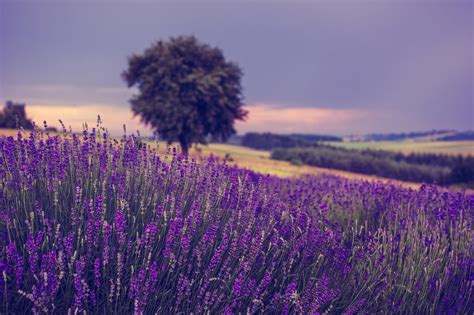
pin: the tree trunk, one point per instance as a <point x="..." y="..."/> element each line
<point x="184" y="147"/>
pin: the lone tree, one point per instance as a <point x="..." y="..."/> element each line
<point x="187" y="91"/>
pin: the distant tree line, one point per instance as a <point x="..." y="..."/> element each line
<point x="402" y="136"/>
<point x="315" y="138"/>
<point x="270" y="141"/>
<point x="13" y="115"/>
<point x="425" y="167"/>
<point x="460" y="136"/>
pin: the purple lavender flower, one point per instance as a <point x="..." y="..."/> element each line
<point x="92" y="224"/>
<point x="120" y="226"/>
<point x="81" y="289"/>
<point x="15" y="260"/>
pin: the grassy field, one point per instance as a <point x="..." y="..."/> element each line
<point x="441" y="147"/>
<point x="12" y="132"/>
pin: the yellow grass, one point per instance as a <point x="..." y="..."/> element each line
<point x="12" y="132"/>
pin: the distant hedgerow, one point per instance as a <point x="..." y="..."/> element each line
<point x="414" y="167"/>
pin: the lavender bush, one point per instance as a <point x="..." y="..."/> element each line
<point x="91" y="224"/>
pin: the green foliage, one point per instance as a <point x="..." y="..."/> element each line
<point x="270" y="141"/>
<point x="459" y="136"/>
<point x="296" y="162"/>
<point x="403" y="135"/>
<point x="428" y="168"/>
<point x="187" y="91"/>
<point x="14" y="115"/>
<point x="315" y="137"/>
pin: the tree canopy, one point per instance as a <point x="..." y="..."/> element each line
<point x="13" y="115"/>
<point x="188" y="92"/>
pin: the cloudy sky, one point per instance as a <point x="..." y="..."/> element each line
<point x="334" y="67"/>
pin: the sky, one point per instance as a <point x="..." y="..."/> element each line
<point x="332" y="67"/>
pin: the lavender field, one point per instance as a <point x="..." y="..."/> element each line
<point x="95" y="225"/>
